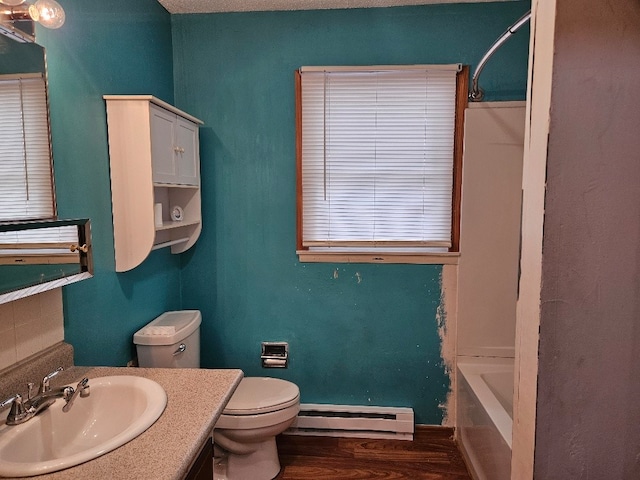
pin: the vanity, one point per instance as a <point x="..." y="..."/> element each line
<point x="177" y="446"/>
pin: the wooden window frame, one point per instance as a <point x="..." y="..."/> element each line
<point x="450" y="257"/>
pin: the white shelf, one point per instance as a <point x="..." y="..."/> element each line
<point x="138" y="147"/>
<point x="175" y="185"/>
<point x="172" y="225"/>
<point x="170" y="243"/>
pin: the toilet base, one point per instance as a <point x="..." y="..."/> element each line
<point x="261" y="464"/>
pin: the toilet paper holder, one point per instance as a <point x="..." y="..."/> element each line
<point x="275" y="354"/>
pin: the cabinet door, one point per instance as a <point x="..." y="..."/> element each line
<point x="162" y="145"/>
<point x="188" y="168"/>
<point x="202" y="469"/>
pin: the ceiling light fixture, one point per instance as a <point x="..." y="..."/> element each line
<point x="16" y="14"/>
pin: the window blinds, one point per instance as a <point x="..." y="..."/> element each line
<point x="377" y="156"/>
<point x="63" y="236"/>
<point x="26" y="185"/>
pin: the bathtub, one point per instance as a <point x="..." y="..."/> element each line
<point x="484" y="415"/>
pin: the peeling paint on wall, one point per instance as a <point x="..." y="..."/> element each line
<point x="446" y="316"/>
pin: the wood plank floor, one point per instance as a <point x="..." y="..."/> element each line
<point x="432" y="455"/>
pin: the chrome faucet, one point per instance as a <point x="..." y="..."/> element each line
<point x="22" y="411"/>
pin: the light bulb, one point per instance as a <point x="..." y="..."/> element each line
<point x="12" y="3"/>
<point x="48" y="13"/>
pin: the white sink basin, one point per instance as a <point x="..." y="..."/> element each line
<point x="118" y="409"/>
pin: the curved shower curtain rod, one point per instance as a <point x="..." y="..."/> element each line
<point x="477" y="94"/>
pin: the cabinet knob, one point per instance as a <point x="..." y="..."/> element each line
<point x="178" y="149"/>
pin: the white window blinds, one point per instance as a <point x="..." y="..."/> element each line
<point x="26" y="185"/>
<point x="377" y="157"/>
<point x="40" y="237"/>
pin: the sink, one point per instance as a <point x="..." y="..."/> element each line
<point x="118" y="409"/>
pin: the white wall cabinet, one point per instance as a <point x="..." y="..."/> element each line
<point x="174" y="147"/>
<point x="155" y="159"/>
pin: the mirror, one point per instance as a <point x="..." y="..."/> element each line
<point x="36" y="256"/>
<point x="18" y="57"/>
<point x="39" y="256"/>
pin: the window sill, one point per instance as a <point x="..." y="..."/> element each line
<point x="362" y="257"/>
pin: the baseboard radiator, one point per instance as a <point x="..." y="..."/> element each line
<point x="353" y="421"/>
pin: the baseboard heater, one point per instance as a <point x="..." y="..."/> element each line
<point x="353" y="421"/>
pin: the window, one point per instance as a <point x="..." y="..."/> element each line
<point x="26" y="181"/>
<point x="379" y="162"/>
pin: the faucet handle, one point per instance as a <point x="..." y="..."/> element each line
<point x="83" y="386"/>
<point x="17" y="408"/>
<point x="44" y="386"/>
<point x="10" y="401"/>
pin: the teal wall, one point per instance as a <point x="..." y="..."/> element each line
<point x="370" y="342"/>
<point x="370" y="335"/>
<point x="106" y="47"/>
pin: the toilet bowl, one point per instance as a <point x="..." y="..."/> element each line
<point x="260" y="408"/>
<point x="244" y="435"/>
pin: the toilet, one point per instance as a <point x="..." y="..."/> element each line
<point x="260" y="408"/>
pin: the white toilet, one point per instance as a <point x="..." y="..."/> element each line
<point x="260" y="408"/>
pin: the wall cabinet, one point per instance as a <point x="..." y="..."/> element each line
<point x="174" y="148"/>
<point x="155" y="159"/>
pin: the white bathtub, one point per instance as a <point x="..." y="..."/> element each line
<point x="484" y="415"/>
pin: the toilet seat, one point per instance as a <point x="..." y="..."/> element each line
<point x="261" y="395"/>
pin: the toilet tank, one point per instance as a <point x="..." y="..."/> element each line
<point x="170" y="341"/>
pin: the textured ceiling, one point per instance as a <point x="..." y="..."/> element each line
<point x="211" y="6"/>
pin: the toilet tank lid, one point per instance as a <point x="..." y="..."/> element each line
<point x="169" y="328"/>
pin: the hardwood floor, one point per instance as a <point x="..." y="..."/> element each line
<point x="432" y="455"/>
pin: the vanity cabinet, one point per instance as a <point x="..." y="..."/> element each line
<point x="202" y="468"/>
<point x="155" y="160"/>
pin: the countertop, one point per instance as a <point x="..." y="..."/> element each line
<point x="196" y="398"/>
